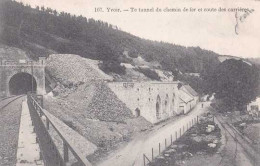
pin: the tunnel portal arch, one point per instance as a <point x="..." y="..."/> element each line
<point x="15" y="76"/>
<point x="21" y="83"/>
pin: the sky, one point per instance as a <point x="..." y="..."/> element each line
<point x="209" y="30"/>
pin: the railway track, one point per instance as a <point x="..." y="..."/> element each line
<point x="14" y="98"/>
<point x="247" y="145"/>
<point x="5" y="98"/>
<point x="227" y="141"/>
<point x="10" y="114"/>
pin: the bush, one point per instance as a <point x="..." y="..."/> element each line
<point x="133" y="53"/>
<point x="149" y="73"/>
<point x="112" y="67"/>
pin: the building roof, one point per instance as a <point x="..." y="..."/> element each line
<point x="185" y="97"/>
<point x="190" y="90"/>
<point x="150" y="82"/>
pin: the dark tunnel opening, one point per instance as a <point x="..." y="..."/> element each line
<point x="22" y="83"/>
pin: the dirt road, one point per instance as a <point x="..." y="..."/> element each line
<point x="132" y="154"/>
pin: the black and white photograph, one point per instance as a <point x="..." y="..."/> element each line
<point x="129" y="83"/>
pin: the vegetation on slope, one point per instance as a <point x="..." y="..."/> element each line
<point x="149" y="73"/>
<point x="43" y="31"/>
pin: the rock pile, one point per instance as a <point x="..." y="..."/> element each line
<point x="71" y="69"/>
<point x="106" y="106"/>
<point x="83" y="100"/>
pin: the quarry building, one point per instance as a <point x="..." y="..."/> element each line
<point x="156" y="101"/>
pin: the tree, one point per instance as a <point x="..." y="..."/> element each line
<point x="105" y="53"/>
<point x="110" y="60"/>
<point x="112" y="67"/>
<point x="48" y="10"/>
<point x="55" y="12"/>
<point x="235" y="84"/>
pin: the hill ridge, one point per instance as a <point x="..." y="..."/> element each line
<point x="43" y="31"/>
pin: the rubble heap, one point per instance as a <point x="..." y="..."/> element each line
<point x="106" y="106"/>
<point x="71" y="69"/>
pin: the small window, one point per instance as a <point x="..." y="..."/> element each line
<point x="137" y="112"/>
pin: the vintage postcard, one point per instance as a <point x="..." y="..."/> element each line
<point x="129" y="83"/>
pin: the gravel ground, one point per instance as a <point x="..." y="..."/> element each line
<point x="9" y="131"/>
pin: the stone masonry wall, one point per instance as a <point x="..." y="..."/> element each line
<point x="156" y="101"/>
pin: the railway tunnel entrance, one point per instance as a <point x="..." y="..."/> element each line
<point x="20" y="76"/>
<point x="21" y="83"/>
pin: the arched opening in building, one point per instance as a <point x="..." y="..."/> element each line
<point x="137" y="112"/>
<point x="158" y="107"/>
<point x="21" y="83"/>
<point x="173" y="99"/>
<point x="166" y="102"/>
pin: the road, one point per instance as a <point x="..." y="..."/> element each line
<point x="9" y="130"/>
<point x="132" y="153"/>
